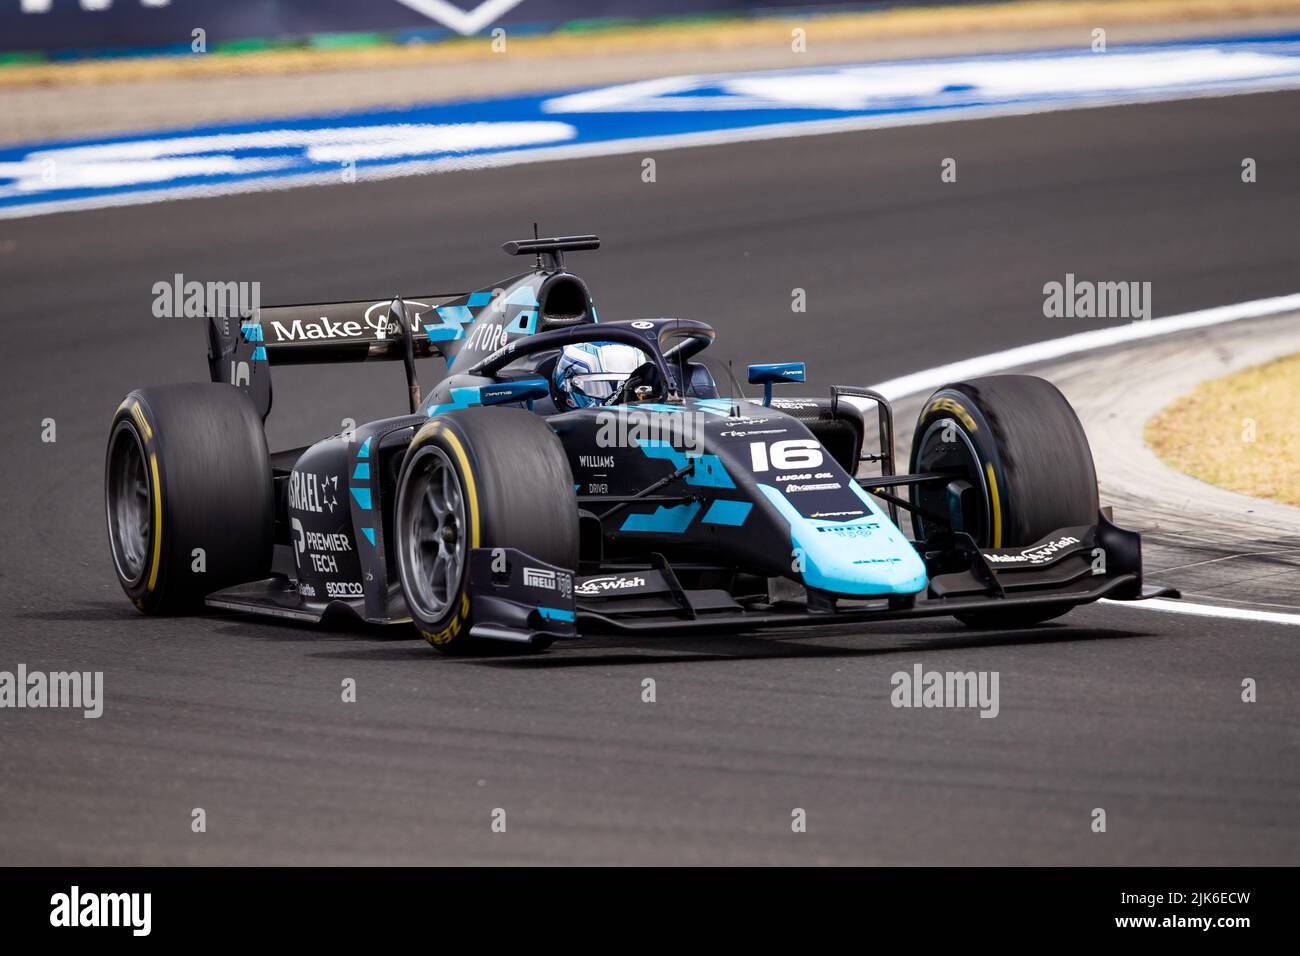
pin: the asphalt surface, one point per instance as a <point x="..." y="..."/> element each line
<point x="1134" y="712"/>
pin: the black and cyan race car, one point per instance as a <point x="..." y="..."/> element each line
<point x="571" y="474"/>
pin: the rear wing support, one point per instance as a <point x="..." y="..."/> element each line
<point x="397" y="313"/>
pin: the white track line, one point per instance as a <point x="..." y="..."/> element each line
<point x="1209" y="610"/>
<point x="940" y="375"/>
<point x="932" y="378"/>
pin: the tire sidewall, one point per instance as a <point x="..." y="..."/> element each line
<point x="194" y="503"/>
<point x="445" y="630"/>
<point x="145" y="591"/>
<point x="957" y="407"/>
<point x="1032" y="452"/>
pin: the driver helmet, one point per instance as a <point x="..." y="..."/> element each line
<point x="590" y="373"/>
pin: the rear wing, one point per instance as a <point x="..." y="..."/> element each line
<point x="241" y="349"/>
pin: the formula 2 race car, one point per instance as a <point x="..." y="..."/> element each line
<point x="534" y="491"/>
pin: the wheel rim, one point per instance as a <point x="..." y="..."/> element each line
<point x="432" y="517"/>
<point x="959" y="456"/>
<point x="129" y="500"/>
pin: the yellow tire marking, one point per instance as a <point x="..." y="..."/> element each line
<point x="468" y="475"/>
<point x="157" y="521"/>
<point x="997" y="506"/>
<point x="141" y="421"/>
<point x="427" y="432"/>
<point x="452" y="629"/>
<point x="955" y="407"/>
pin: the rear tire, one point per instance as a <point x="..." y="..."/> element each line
<point x="1022" y="447"/>
<point x="188" y="495"/>
<point x="478" y="478"/>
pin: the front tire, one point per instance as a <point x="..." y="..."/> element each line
<point x="478" y="478"/>
<point x="188" y="497"/>
<point x="1020" y="445"/>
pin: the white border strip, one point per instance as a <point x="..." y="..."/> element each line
<point x="932" y="378"/>
<point x="1208" y="610"/>
<point x="721" y="137"/>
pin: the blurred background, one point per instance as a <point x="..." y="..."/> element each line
<point x="78" y="67"/>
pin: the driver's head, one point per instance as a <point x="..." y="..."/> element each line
<point x="590" y="373"/>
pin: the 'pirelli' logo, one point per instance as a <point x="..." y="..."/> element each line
<point x="538" y="578"/>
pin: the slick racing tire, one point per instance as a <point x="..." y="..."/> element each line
<point x="478" y="478"/>
<point x="1023" y="450"/>
<point x="187" y="491"/>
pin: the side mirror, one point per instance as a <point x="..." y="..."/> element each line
<point x="770" y="373"/>
<point x="499" y="393"/>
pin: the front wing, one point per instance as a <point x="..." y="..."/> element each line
<point x="1070" y="567"/>
<point x="519" y="599"/>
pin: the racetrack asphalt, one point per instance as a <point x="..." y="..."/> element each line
<point x="1137" y="713"/>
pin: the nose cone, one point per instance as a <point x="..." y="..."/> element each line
<point x="862" y="557"/>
